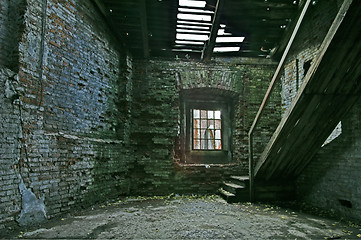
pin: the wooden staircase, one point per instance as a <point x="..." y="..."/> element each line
<point x="236" y="189"/>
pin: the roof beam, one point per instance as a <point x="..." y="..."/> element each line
<point x="144" y="25"/>
<point x="101" y="7"/>
<point x="209" y="46"/>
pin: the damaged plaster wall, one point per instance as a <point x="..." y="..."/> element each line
<point x="32" y="208"/>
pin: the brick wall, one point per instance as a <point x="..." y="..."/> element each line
<point x="332" y="180"/>
<point x="82" y="122"/>
<point x="305" y="47"/>
<point x="10" y="135"/>
<point x="65" y="144"/>
<point x="156" y="120"/>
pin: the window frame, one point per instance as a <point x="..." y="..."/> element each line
<point x="206" y="102"/>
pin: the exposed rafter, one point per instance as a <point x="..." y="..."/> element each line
<point x="101" y="7"/>
<point x="144" y="25"/>
<point x="209" y="46"/>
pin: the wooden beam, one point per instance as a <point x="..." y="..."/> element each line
<point x="280" y="65"/>
<point x="144" y="25"/>
<point x="318" y="101"/>
<point x="101" y="7"/>
<point x="209" y="46"/>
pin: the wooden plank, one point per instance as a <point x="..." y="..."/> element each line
<point x="101" y="7"/>
<point x="294" y="135"/>
<point x="144" y="26"/>
<point x="319" y="127"/>
<point x="279" y="67"/>
<point x="209" y="46"/>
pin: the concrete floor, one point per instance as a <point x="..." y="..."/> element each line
<point x="198" y="217"/>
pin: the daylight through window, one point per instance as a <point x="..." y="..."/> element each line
<point x="207" y="130"/>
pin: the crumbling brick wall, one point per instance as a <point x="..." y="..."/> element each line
<point x="64" y="125"/>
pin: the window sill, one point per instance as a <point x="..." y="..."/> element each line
<point x="204" y="165"/>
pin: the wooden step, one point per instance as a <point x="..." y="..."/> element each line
<point x="229" y="197"/>
<point x="233" y="188"/>
<point x="240" y="178"/>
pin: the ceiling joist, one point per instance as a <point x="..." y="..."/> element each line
<point x="209" y="46"/>
<point x="144" y="26"/>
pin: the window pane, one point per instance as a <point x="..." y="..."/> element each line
<point x="203" y="133"/>
<point x="196" y="144"/>
<point x="196" y="133"/>
<point x="217" y="114"/>
<point x="196" y="113"/>
<point x="210" y="144"/>
<point x="204" y="124"/>
<point x="218" y="134"/>
<point x="210" y="115"/>
<point x="204" y="144"/>
<point x="218" y="124"/>
<point x="203" y="114"/>
<point x="218" y="144"/>
<point x="197" y="123"/>
<point x="211" y="124"/>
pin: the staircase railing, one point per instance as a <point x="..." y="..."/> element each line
<point x="275" y="77"/>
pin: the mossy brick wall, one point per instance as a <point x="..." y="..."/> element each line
<point x="64" y="112"/>
<point x="156" y="120"/>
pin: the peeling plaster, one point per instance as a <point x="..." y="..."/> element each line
<point x="32" y="209"/>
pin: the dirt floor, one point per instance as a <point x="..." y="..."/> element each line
<point x="190" y="217"/>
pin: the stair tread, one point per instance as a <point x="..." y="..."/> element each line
<point x="234" y="185"/>
<point x="226" y="193"/>
<point x="241" y="178"/>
